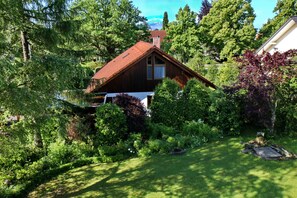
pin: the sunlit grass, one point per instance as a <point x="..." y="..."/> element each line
<point x="218" y="169"/>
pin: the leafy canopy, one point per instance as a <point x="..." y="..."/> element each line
<point x="108" y="26"/>
<point x="228" y="28"/>
<point x="182" y="38"/>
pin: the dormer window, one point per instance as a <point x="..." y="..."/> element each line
<point x="155" y="68"/>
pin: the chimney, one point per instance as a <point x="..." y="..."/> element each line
<point x="156" y="41"/>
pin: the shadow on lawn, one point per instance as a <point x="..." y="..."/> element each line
<point x="216" y="170"/>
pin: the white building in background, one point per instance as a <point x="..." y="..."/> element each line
<point x="283" y="40"/>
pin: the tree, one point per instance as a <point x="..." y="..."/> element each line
<point x="32" y="74"/>
<point x="108" y="26"/>
<point x="262" y="76"/>
<point x="284" y="9"/>
<point x="204" y="10"/>
<point x="165" y="21"/>
<point x="228" y="30"/>
<point x="182" y="38"/>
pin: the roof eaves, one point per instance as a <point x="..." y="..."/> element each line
<point x="125" y="68"/>
<point x="182" y="66"/>
<point x="294" y="18"/>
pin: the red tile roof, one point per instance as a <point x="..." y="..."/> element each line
<point x="128" y="58"/>
<point x="123" y="60"/>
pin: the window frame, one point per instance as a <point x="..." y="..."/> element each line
<point x="153" y="65"/>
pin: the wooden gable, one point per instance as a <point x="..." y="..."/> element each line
<point x="129" y="71"/>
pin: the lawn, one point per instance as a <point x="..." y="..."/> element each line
<point x="218" y="169"/>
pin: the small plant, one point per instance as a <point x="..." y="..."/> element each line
<point x="201" y="130"/>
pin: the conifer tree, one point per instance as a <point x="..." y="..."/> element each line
<point x="165" y="21"/>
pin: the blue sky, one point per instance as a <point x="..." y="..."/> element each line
<point x="154" y="9"/>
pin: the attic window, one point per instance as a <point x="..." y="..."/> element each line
<point x="159" y="69"/>
<point x="149" y="69"/>
<point x="155" y="68"/>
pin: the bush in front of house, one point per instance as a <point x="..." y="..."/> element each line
<point x="135" y="112"/>
<point x="164" y="107"/>
<point x="111" y="125"/>
<point x="195" y="101"/>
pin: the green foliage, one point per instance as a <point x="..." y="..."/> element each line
<point x="61" y="153"/>
<point x="212" y="72"/>
<point x="225" y="112"/>
<point x="31" y="167"/>
<point x="197" y="63"/>
<point x="158" y="130"/>
<point x="182" y="35"/>
<point x="228" y="28"/>
<point x="108" y="27"/>
<point x="195" y="101"/>
<point x="165" y="21"/>
<point x="116" y="152"/>
<point x="164" y="108"/>
<point x="228" y="74"/>
<point x="111" y="124"/>
<point x="201" y="130"/>
<point x="286" y="115"/>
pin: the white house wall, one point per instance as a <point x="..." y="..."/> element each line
<point x="286" y="42"/>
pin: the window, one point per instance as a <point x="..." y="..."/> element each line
<point x="159" y="72"/>
<point x="155" y="68"/>
<point x="149" y="69"/>
<point x="159" y="69"/>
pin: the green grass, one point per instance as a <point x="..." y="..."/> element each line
<point x="218" y="169"/>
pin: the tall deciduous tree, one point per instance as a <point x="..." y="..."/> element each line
<point x="109" y="26"/>
<point x="262" y="76"/>
<point x="182" y="35"/>
<point x="228" y="28"/>
<point x="165" y="21"/>
<point x="204" y="10"/>
<point x="284" y="9"/>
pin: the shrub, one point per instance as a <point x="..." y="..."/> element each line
<point x="77" y="128"/>
<point x="60" y="153"/>
<point x="195" y="101"/>
<point x="158" y="130"/>
<point x="111" y="125"/>
<point x="225" y="112"/>
<point x="112" y="153"/>
<point x="200" y="129"/>
<point x="164" y="107"/>
<point x="134" y="111"/>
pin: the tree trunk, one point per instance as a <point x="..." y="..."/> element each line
<point x="26" y="55"/>
<point x="273" y="116"/>
<point x="38" y="139"/>
<point x="25" y="46"/>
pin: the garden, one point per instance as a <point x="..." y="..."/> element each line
<point x="190" y="143"/>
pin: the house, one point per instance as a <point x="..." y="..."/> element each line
<point x="157" y="37"/>
<point x="283" y="39"/>
<point x="137" y="72"/>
